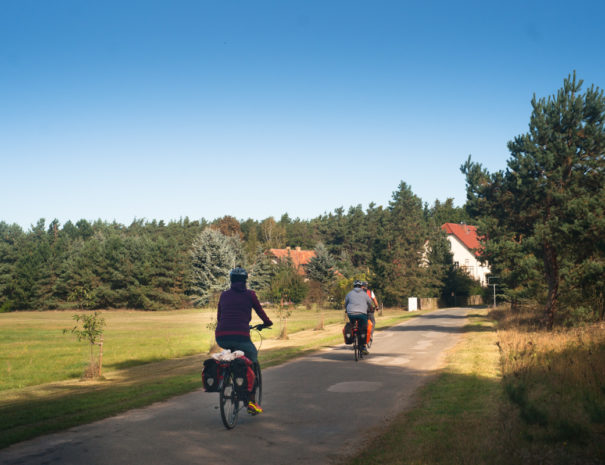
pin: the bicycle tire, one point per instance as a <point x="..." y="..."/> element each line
<point x="229" y="403"/>
<point x="355" y="346"/>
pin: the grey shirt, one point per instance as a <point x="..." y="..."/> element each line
<point x="357" y="302"/>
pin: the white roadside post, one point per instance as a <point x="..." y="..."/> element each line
<point x="494" y="286"/>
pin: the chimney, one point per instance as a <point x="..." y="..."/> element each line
<point x="298" y="248"/>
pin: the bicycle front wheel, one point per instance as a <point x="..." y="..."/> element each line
<point x="259" y="384"/>
<point x="229" y="402"/>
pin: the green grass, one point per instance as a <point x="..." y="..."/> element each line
<point x="34" y="350"/>
<point x="28" y="419"/>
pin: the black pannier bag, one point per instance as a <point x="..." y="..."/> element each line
<point x="243" y="374"/>
<point x="211" y="375"/>
<point x="347" y="332"/>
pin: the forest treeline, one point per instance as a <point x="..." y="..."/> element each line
<point x="149" y="264"/>
<point x="541" y="222"/>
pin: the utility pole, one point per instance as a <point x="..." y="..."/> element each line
<point x="494" y="286"/>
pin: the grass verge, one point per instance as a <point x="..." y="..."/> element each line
<point x="456" y="415"/>
<point x="517" y="394"/>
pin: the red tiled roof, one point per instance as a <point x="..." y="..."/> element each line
<point x="466" y="233"/>
<point x="299" y="257"/>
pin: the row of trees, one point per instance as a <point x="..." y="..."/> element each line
<point x="151" y="265"/>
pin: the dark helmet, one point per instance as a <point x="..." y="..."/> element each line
<point x="357" y="283"/>
<point x="238" y="274"/>
<point x="364" y="284"/>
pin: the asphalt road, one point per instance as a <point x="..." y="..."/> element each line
<point x="318" y="409"/>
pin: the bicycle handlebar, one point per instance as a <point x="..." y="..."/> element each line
<point x="259" y="327"/>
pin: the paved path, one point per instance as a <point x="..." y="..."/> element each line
<point x="316" y="409"/>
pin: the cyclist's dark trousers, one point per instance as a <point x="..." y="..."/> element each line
<point x="363" y="326"/>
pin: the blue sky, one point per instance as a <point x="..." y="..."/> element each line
<point x="161" y="110"/>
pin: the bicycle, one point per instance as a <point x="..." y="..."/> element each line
<point x="357" y="346"/>
<point x="230" y="398"/>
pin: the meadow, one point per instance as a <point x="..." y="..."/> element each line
<point x="34" y="350"/>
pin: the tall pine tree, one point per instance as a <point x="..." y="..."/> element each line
<point x="546" y="209"/>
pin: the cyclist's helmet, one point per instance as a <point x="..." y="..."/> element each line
<point x="357" y="283"/>
<point x="364" y="284"/>
<point x="238" y="274"/>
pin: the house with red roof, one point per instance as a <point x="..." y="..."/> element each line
<point x="299" y="257"/>
<point x="466" y="249"/>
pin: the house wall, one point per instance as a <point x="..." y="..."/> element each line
<point x="467" y="260"/>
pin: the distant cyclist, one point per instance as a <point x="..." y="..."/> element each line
<point x="233" y="322"/>
<point x="371" y="316"/>
<point x="358" y="305"/>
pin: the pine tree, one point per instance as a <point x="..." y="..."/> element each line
<point x="546" y="209"/>
<point x="11" y="236"/>
<point x="213" y="255"/>
<point x="322" y="266"/>
<point x="398" y="254"/>
<point x="261" y="273"/>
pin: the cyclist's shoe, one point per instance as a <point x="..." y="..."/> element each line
<point x="364" y="351"/>
<point x="254" y="409"/>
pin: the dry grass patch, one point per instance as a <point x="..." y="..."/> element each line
<point x="555" y="381"/>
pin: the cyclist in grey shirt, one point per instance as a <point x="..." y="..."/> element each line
<point x="358" y="304"/>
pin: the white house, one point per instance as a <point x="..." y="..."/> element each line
<point x="466" y="250"/>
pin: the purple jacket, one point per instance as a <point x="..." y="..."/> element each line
<point x="235" y="311"/>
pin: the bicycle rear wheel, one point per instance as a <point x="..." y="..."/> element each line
<point x="356" y="351"/>
<point x="229" y="403"/>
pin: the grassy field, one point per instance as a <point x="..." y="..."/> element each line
<point x="148" y="356"/>
<point x="34" y="350"/>
<point x="511" y="393"/>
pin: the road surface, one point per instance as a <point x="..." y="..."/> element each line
<point x="317" y="408"/>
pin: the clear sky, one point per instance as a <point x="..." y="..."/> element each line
<point x="159" y="110"/>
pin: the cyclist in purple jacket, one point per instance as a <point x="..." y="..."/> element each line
<point x="233" y="321"/>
